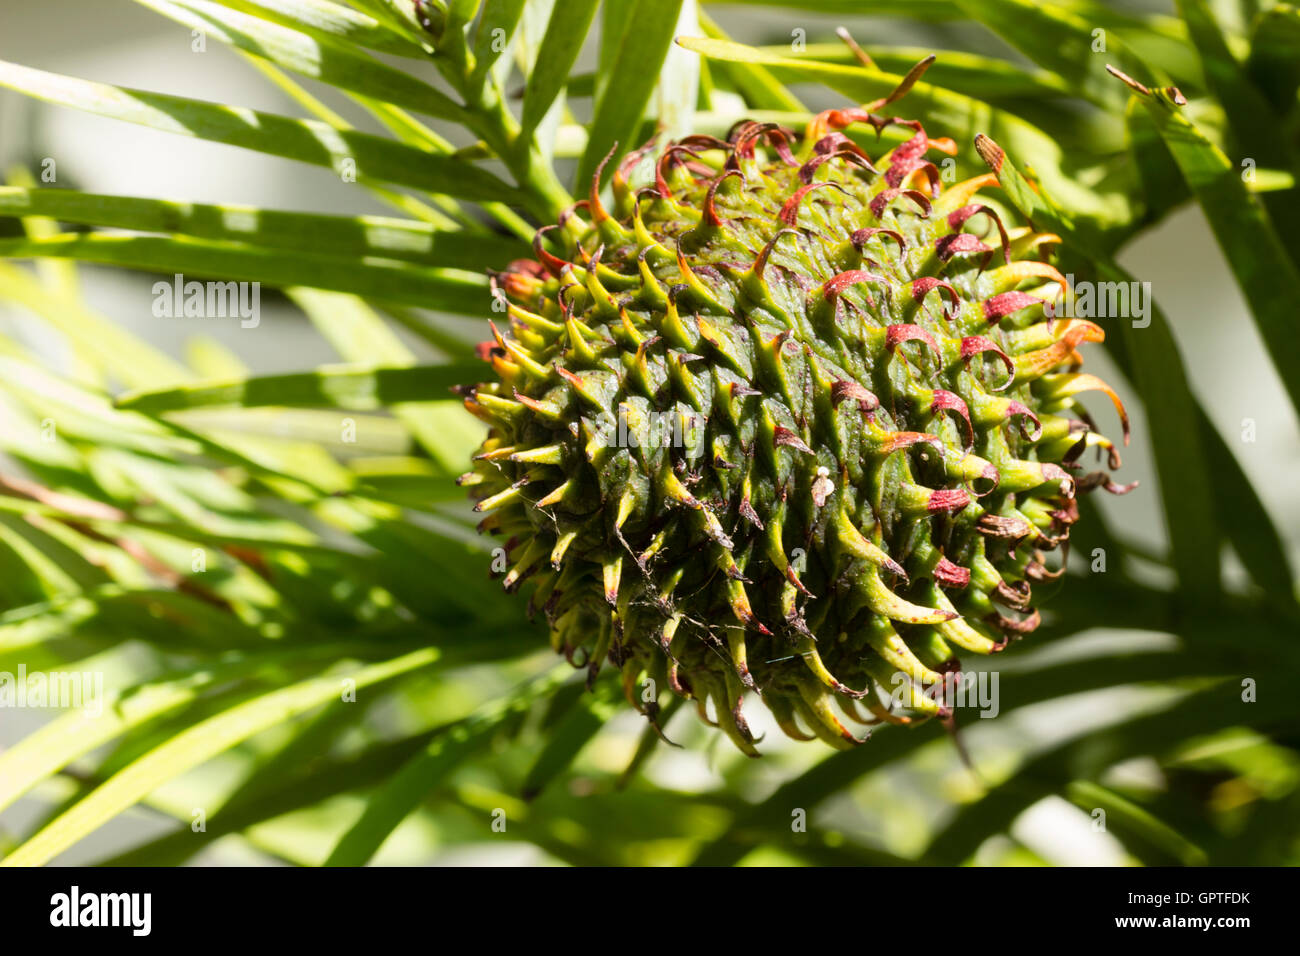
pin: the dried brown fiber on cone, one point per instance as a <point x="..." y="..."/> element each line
<point x="780" y="422"/>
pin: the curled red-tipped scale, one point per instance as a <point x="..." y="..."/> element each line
<point x="945" y="401"/>
<point x="710" y="211"/>
<point x="838" y="283"/>
<point x="790" y="210"/>
<point x="958" y="218"/>
<point x="948" y="499"/>
<point x="926" y="284"/>
<point x="950" y="575"/>
<point x="1000" y="306"/>
<point x="760" y="263"/>
<point x="808" y="169"/>
<point x="901" y="332"/>
<point x="853" y="390"/>
<point x="973" y="345"/>
<point x="860" y="237"/>
<point x="882" y="201"/>
<point x="958" y="244"/>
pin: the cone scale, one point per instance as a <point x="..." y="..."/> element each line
<point x="787" y="422"/>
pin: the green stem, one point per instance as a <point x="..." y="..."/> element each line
<point x="501" y="131"/>
<point x="488" y="116"/>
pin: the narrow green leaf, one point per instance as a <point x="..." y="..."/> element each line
<point x="496" y="28"/>
<point x="131" y="361"/>
<point x="77" y="732"/>
<point x="614" y="16"/>
<point x="925" y="10"/>
<point x="330" y="21"/>
<point x="359" y="335"/>
<point x="370" y="158"/>
<point x="1149" y="733"/>
<point x="634" y="71"/>
<point x="195" y="746"/>
<point x="677" y="94"/>
<point x="1256" y="128"/>
<point x="830" y="776"/>
<point x="460" y="13"/>
<point x="352" y="236"/>
<point x="1187" y="491"/>
<point x="1136" y="826"/>
<point x="1158" y="40"/>
<point x="407" y="481"/>
<point x="756" y="84"/>
<point x="1265" y="273"/>
<point x="355" y="388"/>
<point x="451" y="342"/>
<point x="59" y="277"/>
<point x="982" y="77"/>
<point x="53" y="552"/>
<point x="565" y="33"/>
<point x="587" y="715"/>
<point x="1274" y="61"/>
<point x="295" y="791"/>
<point x="444" y="290"/>
<point x="399" y="16"/>
<point x="1061" y="42"/>
<point x="1162" y="186"/>
<point x="29" y="575"/>
<point x="326" y="60"/>
<point x="400" y="795"/>
<point x="1248" y="527"/>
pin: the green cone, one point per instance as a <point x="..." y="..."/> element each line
<point x="788" y="419"/>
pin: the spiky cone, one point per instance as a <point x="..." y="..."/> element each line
<point x="782" y="422"/>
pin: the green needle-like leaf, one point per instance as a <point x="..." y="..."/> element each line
<point x="643" y="41"/>
<point x="445" y="290"/>
<point x="565" y="32"/>
<point x="756" y="83"/>
<point x="912" y="9"/>
<point x="78" y="732"/>
<point x="197" y="745"/>
<point x="425" y="771"/>
<point x="1148" y="734"/>
<point x="442" y="427"/>
<point x="353" y="388"/>
<point x="368" y="158"/>
<point x="495" y="28"/>
<point x="983" y="77"/>
<point x="1253" y="123"/>
<point x="330" y="21"/>
<point x="317" y="57"/>
<point x="1060" y="41"/>
<point x="353" y="236"/>
<point x="279" y="796"/>
<point x="1265" y="273"/>
<point x="1274" y="61"/>
<point x="588" y="714"/>
<point x="133" y="362"/>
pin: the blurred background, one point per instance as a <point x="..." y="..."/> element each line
<point x="119" y="42"/>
